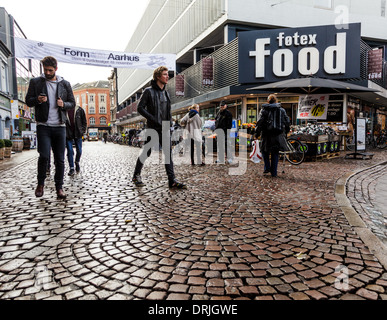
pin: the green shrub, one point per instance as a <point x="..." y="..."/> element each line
<point x="2" y="143"/>
<point x="8" y="143"/>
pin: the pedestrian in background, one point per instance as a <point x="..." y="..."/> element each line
<point x="51" y="96"/>
<point x="193" y="124"/>
<point x="272" y="125"/>
<point x="223" y="121"/>
<point x="155" y="107"/>
<point x="76" y="126"/>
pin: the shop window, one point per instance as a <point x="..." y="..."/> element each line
<point x="251" y="113"/>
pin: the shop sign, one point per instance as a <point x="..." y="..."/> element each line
<point x="313" y="107"/>
<point x="335" y="112"/>
<point x="375" y="64"/>
<point x="279" y="54"/>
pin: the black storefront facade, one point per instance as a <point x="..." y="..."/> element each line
<point x="265" y="56"/>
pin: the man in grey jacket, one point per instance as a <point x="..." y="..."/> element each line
<point x="51" y="96"/>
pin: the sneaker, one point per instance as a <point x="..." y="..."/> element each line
<point x="71" y="172"/>
<point x="138" y="181"/>
<point x="176" y="185"/>
<point x="77" y="167"/>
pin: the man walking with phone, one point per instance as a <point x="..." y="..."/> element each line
<point x="51" y="96"/>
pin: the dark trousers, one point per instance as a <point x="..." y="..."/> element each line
<point x="70" y="151"/>
<point x="51" y="138"/>
<point x="147" y="153"/>
<point x="271" y="165"/>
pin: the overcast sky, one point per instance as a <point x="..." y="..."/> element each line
<point x="92" y="24"/>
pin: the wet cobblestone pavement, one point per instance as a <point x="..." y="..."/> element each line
<point x="226" y="237"/>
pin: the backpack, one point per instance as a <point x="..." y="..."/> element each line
<point x="274" y="121"/>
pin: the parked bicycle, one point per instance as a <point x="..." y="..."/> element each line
<point x="296" y="151"/>
<point x="381" y="141"/>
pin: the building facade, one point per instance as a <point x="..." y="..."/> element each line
<point x="16" y="74"/>
<point x="94" y="98"/>
<point x="212" y="62"/>
<point x="6" y="97"/>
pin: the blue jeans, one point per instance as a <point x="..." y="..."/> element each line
<point x="271" y="166"/>
<point x="51" y="138"/>
<point x="70" y="151"/>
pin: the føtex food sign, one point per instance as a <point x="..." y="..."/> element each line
<point x="279" y="54"/>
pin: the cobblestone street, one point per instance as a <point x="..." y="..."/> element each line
<point x="226" y="237"/>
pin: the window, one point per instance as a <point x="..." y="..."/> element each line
<point x="102" y="98"/>
<point x="91" y="98"/>
<point x="91" y="110"/>
<point x="102" y="110"/>
<point x="325" y="4"/>
<point x="103" y="121"/>
<point x="92" y="121"/>
<point x="3" y="77"/>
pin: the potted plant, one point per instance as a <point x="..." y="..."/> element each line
<point x="2" y="148"/>
<point x="8" y="148"/>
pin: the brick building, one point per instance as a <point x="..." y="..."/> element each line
<point x="94" y="98"/>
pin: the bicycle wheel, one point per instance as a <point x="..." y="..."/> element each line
<point x="381" y="143"/>
<point x="296" y="155"/>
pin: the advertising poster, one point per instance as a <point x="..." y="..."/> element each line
<point x="179" y="85"/>
<point x="208" y="72"/>
<point x="375" y="64"/>
<point x="313" y="107"/>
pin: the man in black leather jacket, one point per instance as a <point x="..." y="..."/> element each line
<point x="155" y="107"/>
<point x="51" y="96"/>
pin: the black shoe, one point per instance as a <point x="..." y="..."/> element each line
<point x="60" y="194"/>
<point x="176" y="185"/>
<point x="77" y="167"/>
<point x="71" y="172"/>
<point x="138" y="181"/>
<point x="266" y="171"/>
<point x="39" y="192"/>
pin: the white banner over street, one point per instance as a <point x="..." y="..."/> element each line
<point x="30" y="49"/>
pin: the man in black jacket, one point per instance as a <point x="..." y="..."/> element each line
<point x="155" y="107"/>
<point x="51" y="96"/>
<point x="223" y="121"/>
<point x="76" y="126"/>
